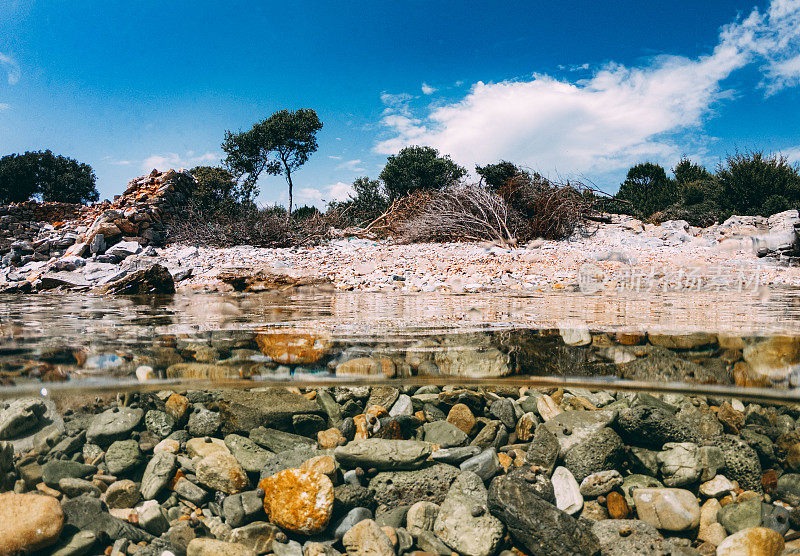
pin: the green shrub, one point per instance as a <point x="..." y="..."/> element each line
<point x="415" y="168"/>
<point x="51" y="177"/>
<point x="757" y="184"/>
<point x="366" y="203"/>
<point x="648" y="190"/>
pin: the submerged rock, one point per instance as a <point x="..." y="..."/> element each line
<point x="153" y="280"/>
<point x="28" y="522"/>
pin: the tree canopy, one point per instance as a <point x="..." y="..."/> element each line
<point x="497" y="175"/>
<point x="278" y="145"/>
<point x="648" y="189"/>
<point x="755" y="183"/>
<point x="415" y="168"/>
<point x="51" y="177"/>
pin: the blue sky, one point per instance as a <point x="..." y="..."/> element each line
<point x="576" y="89"/>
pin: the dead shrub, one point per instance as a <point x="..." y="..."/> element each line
<point x="541" y="208"/>
<point x="457" y="213"/>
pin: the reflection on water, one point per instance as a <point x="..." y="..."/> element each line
<point x="700" y="341"/>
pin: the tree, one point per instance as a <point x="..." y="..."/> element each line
<point x="648" y="189"/>
<point x="53" y="178"/>
<point x="278" y="145"/>
<point x="687" y="172"/>
<point x="756" y="184"/>
<point x="497" y="175"/>
<point x="216" y="188"/>
<point x="415" y="168"/>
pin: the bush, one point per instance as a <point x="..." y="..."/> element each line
<point x="366" y="203"/>
<point x="648" y="189"/>
<point x="43" y="174"/>
<point x="497" y="175"/>
<point x="416" y="168"/>
<point x="544" y="209"/>
<point x="460" y="213"/>
<point x="246" y="224"/>
<point x="755" y="184"/>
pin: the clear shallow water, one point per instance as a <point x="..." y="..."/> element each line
<point x="737" y="343"/>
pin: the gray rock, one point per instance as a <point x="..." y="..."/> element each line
<point x="159" y="423"/>
<point x="160" y="469"/>
<point x="574" y="426"/>
<point x="383" y="454"/>
<point x="123" y="456"/>
<point x="624" y="537"/>
<point x="329" y="406"/>
<point x="179" y="536"/>
<point x="428" y="542"/>
<point x="291" y="548"/>
<point x="444" y="434"/>
<point x="667" y="509"/>
<point x="242" y="508"/>
<point x="741" y="515"/>
<point x="242" y="411"/>
<point x="503" y="409"/>
<point x="187" y="490"/>
<point x="454" y="456"/>
<point x="308" y="425"/>
<point x="600" y="483"/>
<point x="352" y="517"/>
<point x="680" y="464"/>
<point x="775" y="517"/>
<point x="464" y="522"/>
<point x="567" y="492"/>
<point x="397" y="488"/>
<point x="153" y="519"/>
<point x="543" y="449"/>
<point x="486" y="464"/>
<point x="55" y="470"/>
<point x="653" y="427"/>
<point x="72" y="487"/>
<point x="383" y="396"/>
<point x="396" y="517"/>
<point x="741" y="462"/>
<point x="21" y="416"/>
<point x="86" y="514"/>
<point x="113" y="424"/>
<point x="632" y="482"/>
<point x="788" y="489"/>
<point x="540" y="527"/>
<point x="403" y="406"/>
<point x="76" y="545"/>
<point x="259" y="536"/>
<point x="644" y="461"/>
<point x="50" y="420"/>
<point x="601" y="451"/>
<point x="289" y="459"/>
<point x="250" y="456"/>
<point x="124" y="249"/>
<point x="203" y="422"/>
<point x="421" y="517"/>
<point x="122" y="494"/>
<point x="279" y="441"/>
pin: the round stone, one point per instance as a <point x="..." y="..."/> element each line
<point x="298" y="500"/>
<point x="29" y="522"/>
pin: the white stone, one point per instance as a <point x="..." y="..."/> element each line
<point x="567" y="491"/>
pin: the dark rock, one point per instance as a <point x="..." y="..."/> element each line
<point x="653" y="427"/>
<point x="148" y="281"/>
<point x="242" y="411"/>
<point x="86" y="513"/>
<point x="543" y="449"/>
<point x="289" y="459"/>
<point x="396" y="488"/>
<point x="503" y="409"/>
<point x="308" y="425"/>
<point x="55" y="470"/>
<point x="279" y="441"/>
<point x="540" y="527"/>
<point x="602" y="451"/>
<point x="741" y="462"/>
<point x="444" y="434"/>
<point x="113" y="424"/>
<point x="347" y="496"/>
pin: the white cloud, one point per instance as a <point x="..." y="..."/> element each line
<point x="12" y="68"/>
<point x="175" y="161"/>
<point x="338" y="191"/>
<point x="4" y="106"/>
<point x="351" y="166"/>
<point x="427" y="89"/>
<point x="792" y="154"/>
<point x="334" y="157"/>
<point x="618" y="116"/>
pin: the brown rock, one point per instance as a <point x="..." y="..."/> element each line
<point x="526" y="427"/>
<point x="755" y="541"/>
<point x="617" y="506"/>
<point x="177" y="406"/>
<point x="293" y="348"/>
<point x="28" y="522"/>
<point x="461" y="416"/>
<point x="630" y="338"/>
<point x="299" y="501"/>
<point x="330" y="438"/>
<point x="325" y="465"/>
<point x="362" y="430"/>
<point x="732" y="420"/>
<point x="769" y="481"/>
<point x="221" y="471"/>
<point x="744" y="375"/>
<point x="361" y="366"/>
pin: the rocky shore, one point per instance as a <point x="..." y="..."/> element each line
<point x="411" y="470"/>
<point x="71" y="247"/>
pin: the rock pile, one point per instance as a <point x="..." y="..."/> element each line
<point x="389" y="470"/>
<point x="107" y="231"/>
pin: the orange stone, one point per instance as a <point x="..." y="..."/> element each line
<point x="28" y="522"/>
<point x="300" y="501"/>
<point x="362" y="431"/>
<point x="461" y="416"/>
<point x="330" y="438"/>
<point x="177" y="406"/>
<point x="293" y="348"/>
<point x="617" y="506"/>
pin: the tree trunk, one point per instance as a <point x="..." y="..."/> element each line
<point x="289" y="180"/>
